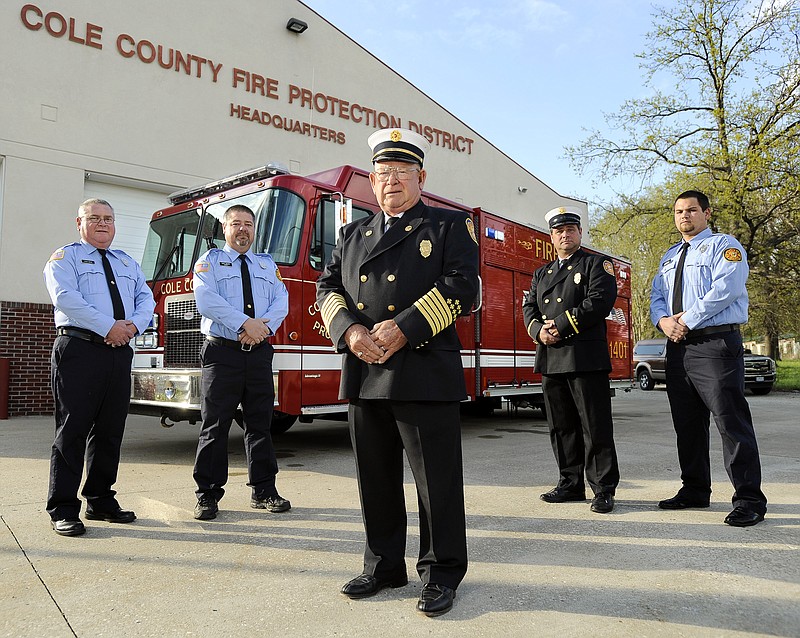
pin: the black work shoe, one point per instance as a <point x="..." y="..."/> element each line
<point x="602" y="503"/>
<point x="366" y="585"/>
<point x="743" y="517"/>
<point x="118" y="516"/>
<point x="435" y="600"/>
<point x="206" y="508"/>
<point x="561" y="495"/>
<point x="68" y="527"/>
<point x="679" y="502"/>
<point x="274" y="504"/>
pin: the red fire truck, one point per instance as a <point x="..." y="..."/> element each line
<point x="296" y="222"/>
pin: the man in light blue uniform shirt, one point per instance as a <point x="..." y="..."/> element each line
<point x="101" y="302"/>
<point x="243" y="301"/>
<point x="698" y="299"/>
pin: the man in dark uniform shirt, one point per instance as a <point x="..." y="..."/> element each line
<point x="565" y="314"/>
<point x="389" y="297"/>
<point x="101" y="302"/>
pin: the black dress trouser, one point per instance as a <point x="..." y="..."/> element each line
<point x="578" y="408"/>
<point x="231" y="376"/>
<point x="705" y="376"/>
<point x="430" y="433"/>
<point x="91" y="384"/>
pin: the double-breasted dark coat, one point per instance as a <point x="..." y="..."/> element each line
<point x="423" y="273"/>
<point x="578" y="297"/>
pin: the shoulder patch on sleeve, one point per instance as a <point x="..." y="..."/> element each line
<point x="471" y="229"/>
<point x="59" y="254"/>
<point x="608" y="267"/>
<point x="733" y="254"/>
<point x="202" y="266"/>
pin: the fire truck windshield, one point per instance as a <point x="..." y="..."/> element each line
<point x="175" y="242"/>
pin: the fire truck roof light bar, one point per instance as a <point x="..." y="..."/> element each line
<point x="237" y="179"/>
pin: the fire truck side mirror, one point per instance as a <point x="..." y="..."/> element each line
<point x="343" y="209"/>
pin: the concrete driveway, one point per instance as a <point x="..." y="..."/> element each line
<point x="537" y="569"/>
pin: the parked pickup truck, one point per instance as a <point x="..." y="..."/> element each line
<point x="648" y="366"/>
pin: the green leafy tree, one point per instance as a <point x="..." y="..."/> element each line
<point x="729" y="126"/>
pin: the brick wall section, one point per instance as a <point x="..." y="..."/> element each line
<point x="26" y="338"/>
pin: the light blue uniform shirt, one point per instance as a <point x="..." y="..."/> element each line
<point x="219" y="296"/>
<point x="714" y="277"/>
<point x="77" y="285"/>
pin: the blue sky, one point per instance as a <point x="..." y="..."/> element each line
<point x="528" y="75"/>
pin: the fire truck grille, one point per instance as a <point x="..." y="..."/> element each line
<point x="183" y="336"/>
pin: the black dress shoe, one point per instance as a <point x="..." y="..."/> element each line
<point x="561" y="495"/>
<point x="118" y="516"/>
<point x="679" y="502"/>
<point x="743" y="517"/>
<point x="68" y="527"/>
<point x="435" y="600"/>
<point x="366" y="585"/>
<point x="602" y="503"/>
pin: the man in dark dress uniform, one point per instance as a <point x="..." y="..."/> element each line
<point x="565" y="314"/>
<point x="389" y="297"/>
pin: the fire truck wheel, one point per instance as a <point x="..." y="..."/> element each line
<point x="282" y="422"/>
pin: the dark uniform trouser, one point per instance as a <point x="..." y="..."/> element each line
<point x="706" y="375"/>
<point x="91" y="385"/>
<point x="230" y="377"/>
<point x="582" y="430"/>
<point x="430" y="432"/>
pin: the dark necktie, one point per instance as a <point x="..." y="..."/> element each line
<point x="247" y="289"/>
<point x="391" y="221"/>
<point x="677" y="289"/>
<point x="116" y="299"/>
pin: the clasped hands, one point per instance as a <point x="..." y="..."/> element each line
<point x="121" y="333"/>
<point x="254" y="331"/>
<point x="376" y="345"/>
<point x="673" y="327"/>
<point x="549" y="335"/>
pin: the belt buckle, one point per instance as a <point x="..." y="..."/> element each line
<point x="247" y="347"/>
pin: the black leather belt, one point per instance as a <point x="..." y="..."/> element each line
<point x="713" y="330"/>
<point x="236" y="345"/>
<point x="81" y="333"/>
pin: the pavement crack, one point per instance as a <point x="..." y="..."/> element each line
<point x="38" y="575"/>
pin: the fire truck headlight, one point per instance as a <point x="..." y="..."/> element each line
<point x="145" y="341"/>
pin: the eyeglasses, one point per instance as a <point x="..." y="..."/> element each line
<point x="93" y="220"/>
<point x="403" y="174"/>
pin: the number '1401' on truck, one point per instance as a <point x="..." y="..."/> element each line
<point x="297" y="219"/>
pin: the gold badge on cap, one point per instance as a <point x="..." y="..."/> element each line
<point x="577" y="278"/>
<point x="425" y="248"/>
<point x="471" y="229"/>
<point x="733" y="254"/>
<point x="396" y="136"/>
<point x="608" y="267"/>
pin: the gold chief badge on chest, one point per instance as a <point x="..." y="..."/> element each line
<point x="425" y="248"/>
<point x="577" y="278"/>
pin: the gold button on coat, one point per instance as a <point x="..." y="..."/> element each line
<point x="547" y="301"/>
<point x="360" y="306"/>
<point x="391" y="278"/>
<point x="391" y="308"/>
<point x="364" y="277"/>
<point x="558" y="300"/>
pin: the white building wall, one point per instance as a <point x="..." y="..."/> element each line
<point x="85" y="101"/>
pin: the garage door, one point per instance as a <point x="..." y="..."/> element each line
<point x="133" y="208"/>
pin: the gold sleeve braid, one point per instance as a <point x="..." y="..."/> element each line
<point x="333" y="303"/>
<point x="573" y="321"/>
<point x="438" y="312"/>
